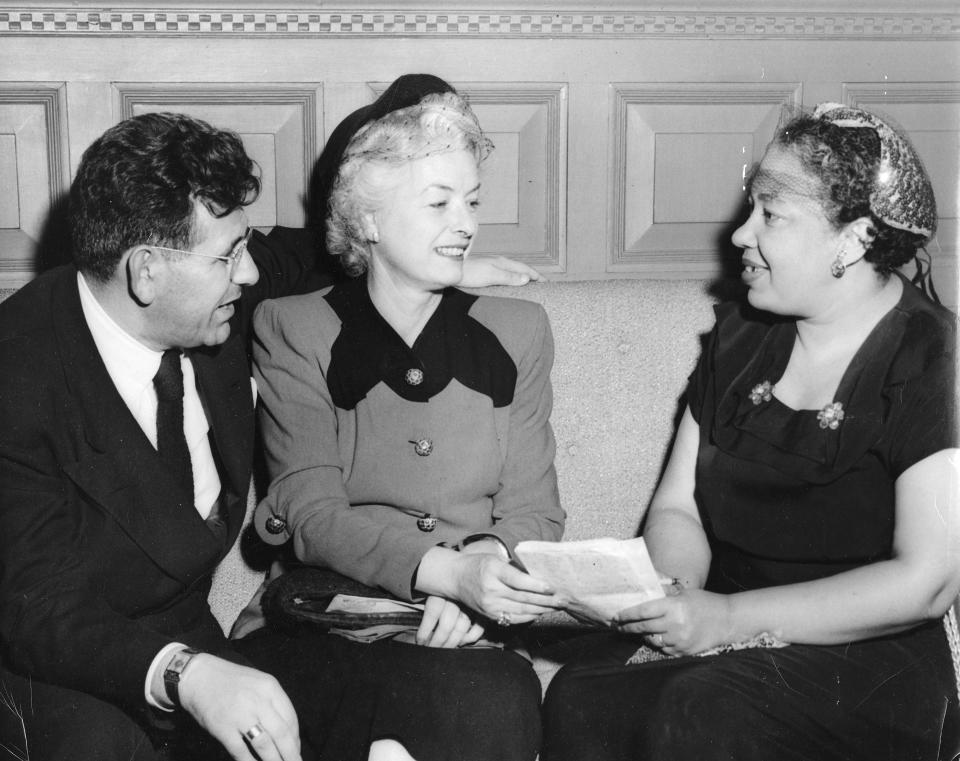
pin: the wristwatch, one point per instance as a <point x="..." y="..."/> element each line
<point x="174" y="672"/>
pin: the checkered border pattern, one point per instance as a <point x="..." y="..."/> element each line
<point x="436" y="24"/>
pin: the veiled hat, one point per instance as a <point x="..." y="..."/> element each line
<point x="902" y="195"/>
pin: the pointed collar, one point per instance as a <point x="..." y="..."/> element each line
<point x="452" y="345"/>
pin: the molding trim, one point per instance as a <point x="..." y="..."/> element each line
<point x="855" y="93"/>
<point x="18" y="260"/>
<point x="52" y="98"/>
<point x="267" y="21"/>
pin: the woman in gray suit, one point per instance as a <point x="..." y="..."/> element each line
<point x="406" y="425"/>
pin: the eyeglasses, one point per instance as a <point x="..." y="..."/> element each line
<point x="232" y="259"/>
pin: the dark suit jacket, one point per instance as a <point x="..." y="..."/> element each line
<point x="103" y="558"/>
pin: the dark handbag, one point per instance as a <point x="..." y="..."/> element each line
<point x="301" y="596"/>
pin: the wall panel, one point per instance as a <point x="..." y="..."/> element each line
<point x="679" y="166"/>
<point x="279" y="125"/>
<point x="33" y="170"/>
<point x="930" y="113"/>
<point x="623" y="130"/>
<point x="523" y="209"/>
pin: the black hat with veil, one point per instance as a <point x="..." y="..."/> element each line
<point x="406" y="90"/>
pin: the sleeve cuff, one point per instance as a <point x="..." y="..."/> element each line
<point x="501" y="546"/>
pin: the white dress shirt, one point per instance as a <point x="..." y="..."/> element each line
<point x="132" y="366"/>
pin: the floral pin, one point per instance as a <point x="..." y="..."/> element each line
<point x="762" y="392"/>
<point x="830" y="416"/>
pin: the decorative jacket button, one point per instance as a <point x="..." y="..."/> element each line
<point x="275" y="525"/>
<point x="423" y="447"/>
<point x="427" y="523"/>
<point x="414" y="376"/>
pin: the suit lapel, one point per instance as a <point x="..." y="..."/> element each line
<point x="116" y="466"/>
<point x="223" y="381"/>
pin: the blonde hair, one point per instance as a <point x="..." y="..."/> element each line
<point x="439" y="123"/>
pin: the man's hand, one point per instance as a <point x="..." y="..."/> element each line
<point x="480" y="271"/>
<point x="244" y="709"/>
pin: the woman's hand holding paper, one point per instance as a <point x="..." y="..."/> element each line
<point x="486" y="584"/>
<point x="685" y="622"/>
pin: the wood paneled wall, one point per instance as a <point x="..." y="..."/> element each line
<point x="623" y="132"/>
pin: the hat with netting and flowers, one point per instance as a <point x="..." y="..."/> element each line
<point x="902" y="195"/>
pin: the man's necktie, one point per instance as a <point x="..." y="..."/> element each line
<point x="171" y="442"/>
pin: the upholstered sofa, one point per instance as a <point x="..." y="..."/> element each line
<point x="624" y="349"/>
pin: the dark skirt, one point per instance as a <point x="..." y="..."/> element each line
<point x="472" y="704"/>
<point x="888" y="699"/>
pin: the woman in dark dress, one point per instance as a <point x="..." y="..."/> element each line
<point x="809" y="512"/>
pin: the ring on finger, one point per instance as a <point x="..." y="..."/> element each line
<point x="254" y="732"/>
<point x="656" y="640"/>
<point x="504" y="619"/>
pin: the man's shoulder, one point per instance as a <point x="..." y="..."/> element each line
<point x="30" y="351"/>
<point x="30" y="311"/>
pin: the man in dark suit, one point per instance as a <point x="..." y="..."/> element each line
<point x="126" y="447"/>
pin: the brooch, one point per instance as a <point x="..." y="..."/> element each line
<point x="830" y="416"/>
<point x="762" y="392"/>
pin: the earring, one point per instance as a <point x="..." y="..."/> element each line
<point x="375" y="237"/>
<point x="837" y="268"/>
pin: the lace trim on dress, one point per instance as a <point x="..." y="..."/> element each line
<point x="953" y="638"/>
<point x="646" y="654"/>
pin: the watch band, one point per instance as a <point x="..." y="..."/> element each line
<point x="174" y="672"/>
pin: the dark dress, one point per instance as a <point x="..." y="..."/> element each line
<point x="784" y="500"/>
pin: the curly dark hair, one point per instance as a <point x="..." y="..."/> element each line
<point x="136" y="184"/>
<point x="846" y="161"/>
